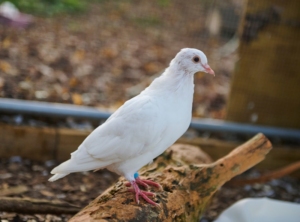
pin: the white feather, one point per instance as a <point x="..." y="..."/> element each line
<point x="57" y="176"/>
<point x="143" y="127"/>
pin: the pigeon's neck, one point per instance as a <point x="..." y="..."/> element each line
<point x="174" y="80"/>
<point x="178" y="79"/>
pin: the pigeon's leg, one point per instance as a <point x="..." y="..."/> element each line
<point x="141" y="193"/>
<point x="138" y="181"/>
<point x="144" y="183"/>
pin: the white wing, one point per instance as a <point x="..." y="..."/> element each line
<point x="133" y="129"/>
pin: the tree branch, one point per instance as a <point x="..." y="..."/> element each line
<point x="268" y="176"/>
<point x="187" y="183"/>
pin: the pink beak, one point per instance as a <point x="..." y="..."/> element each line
<point x="208" y="69"/>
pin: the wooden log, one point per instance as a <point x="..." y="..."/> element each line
<point x="187" y="183"/>
<point x="36" y="206"/>
<point x="279" y="157"/>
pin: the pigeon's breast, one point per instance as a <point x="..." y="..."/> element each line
<point x="178" y="114"/>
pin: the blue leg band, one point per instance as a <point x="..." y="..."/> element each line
<point x="136" y="175"/>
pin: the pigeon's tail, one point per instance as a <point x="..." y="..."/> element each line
<point x="80" y="161"/>
<point x="71" y="166"/>
<point x="57" y="177"/>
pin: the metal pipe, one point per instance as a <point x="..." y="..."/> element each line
<point x="226" y="126"/>
<point x="66" y="110"/>
<point x="51" y="109"/>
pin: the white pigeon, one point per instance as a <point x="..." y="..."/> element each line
<point x="144" y="127"/>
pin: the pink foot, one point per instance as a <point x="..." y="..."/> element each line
<point x="148" y="182"/>
<point x="143" y="194"/>
<point x="145" y="183"/>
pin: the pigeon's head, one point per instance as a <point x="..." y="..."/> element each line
<point x="191" y="61"/>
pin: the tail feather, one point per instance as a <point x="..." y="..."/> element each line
<point x="78" y="163"/>
<point x="71" y="166"/>
<point x="57" y="176"/>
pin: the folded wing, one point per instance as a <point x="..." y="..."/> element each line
<point x="133" y="129"/>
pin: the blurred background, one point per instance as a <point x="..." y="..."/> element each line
<point x="100" y="53"/>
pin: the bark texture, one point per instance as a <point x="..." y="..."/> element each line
<point x="188" y="178"/>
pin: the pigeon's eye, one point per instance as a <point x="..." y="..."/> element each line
<point x="196" y="59"/>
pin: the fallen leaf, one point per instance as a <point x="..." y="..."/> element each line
<point x="109" y="53"/>
<point x="5" y="186"/>
<point x="83" y="188"/>
<point x="114" y="16"/>
<point x="45" y="70"/>
<point x="47" y="193"/>
<point x="8" y="215"/>
<point x="25" y="85"/>
<point x="2" y="81"/>
<point x="116" y="72"/>
<point x="73" y="82"/>
<point x="116" y="105"/>
<point x="83" y="70"/>
<point x="78" y="56"/>
<point x="41" y="94"/>
<point x="77" y="99"/>
<point x="13" y="190"/>
<point x="68" y="187"/>
<point x="199" y="75"/>
<point x="7" y="68"/>
<point x="150" y="67"/>
<point x="41" y="217"/>
<point x="6" y="43"/>
<point x="5" y="175"/>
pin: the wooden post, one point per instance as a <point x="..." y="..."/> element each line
<point x="265" y="86"/>
<point x="28" y="142"/>
<point x="188" y="184"/>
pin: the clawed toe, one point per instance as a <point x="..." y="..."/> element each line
<point x="141" y="193"/>
<point x="145" y="183"/>
<point x="148" y="182"/>
<point x="144" y="192"/>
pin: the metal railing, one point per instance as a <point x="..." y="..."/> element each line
<point x="15" y="106"/>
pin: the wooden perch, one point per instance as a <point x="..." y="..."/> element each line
<point x="188" y="184"/>
<point x="36" y="206"/>
<point x="268" y="176"/>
